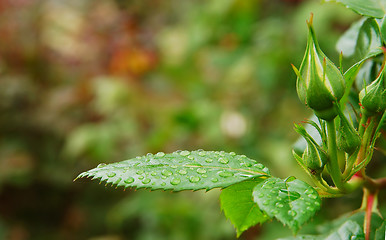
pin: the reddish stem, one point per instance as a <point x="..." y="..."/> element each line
<point x="369" y="207"/>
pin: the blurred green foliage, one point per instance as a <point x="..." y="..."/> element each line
<point x="83" y="82"/>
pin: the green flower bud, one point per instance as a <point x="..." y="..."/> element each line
<point x="373" y="97"/>
<point x="320" y="83"/>
<point x="348" y="139"/>
<point x="314" y="157"/>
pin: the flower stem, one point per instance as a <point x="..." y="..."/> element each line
<point x="333" y="165"/>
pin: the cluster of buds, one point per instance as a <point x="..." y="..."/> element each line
<point x="320" y="84"/>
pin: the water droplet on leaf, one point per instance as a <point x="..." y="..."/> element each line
<point x="175" y="181"/>
<point x="225" y="174"/>
<point x="214" y="180"/>
<point x="112" y="174"/>
<point x="101" y="165"/>
<point x="166" y="172"/>
<point x="182" y="172"/>
<point x="201" y="170"/>
<point x="194" y="179"/>
<point x="201" y="153"/>
<point x="184" y="153"/>
<point x="292" y="213"/>
<point x="279" y="205"/>
<point x="146" y="180"/>
<point x="223" y="160"/>
<point x="139" y="172"/>
<point x="160" y="154"/>
<point x="129" y="180"/>
<point x="208" y="160"/>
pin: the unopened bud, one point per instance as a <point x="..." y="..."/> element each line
<point x="373" y="97"/>
<point x="348" y="139"/>
<point x="314" y="157"/>
<point x="320" y="83"/>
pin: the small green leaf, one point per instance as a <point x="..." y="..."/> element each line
<point x="239" y="207"/>
<point x="292" y="203"/>
<point x="370" y="8"/>
<point x="181" y="170"/>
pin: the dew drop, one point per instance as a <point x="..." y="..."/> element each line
<point x="223" y="160"/>
<point x="317" y="203"/>
<point x="160" y="154"/>
<point x="208" y="160"/>
<point x="129" y="180"/>
<point x="292" y="213"/>
<point x="138" y="157"/>
<point x="194" y="179"/>
<point x="174" y="166"/>
<point x="190" y="157"/>
<point x="204" y="175"/>
<point x="112" y="174"/>
<point x="274" y="212"/>
<point x="310" y="208"/>
<point x="146" y="180"/>
<point x="201" y="170"/>
<point x="163" y="184"/>
<point x="312" y="196"/>
<point x="261" y="195"/>
<point x="258" y="165"/>
<point x="184" y="153"/>
<point x="225" y="174"/>
<point x="232" y="153"/>
<point x="309" y="191"/>
<point x="153" y="173"/>
<point x="202" y="154"/>
<point x="166" y="172"/>
<point x="141" y="177"/>
<point x="175" y="181"/>
<point x="266" y="202"/>
<point x="279" y="205"/>
<point x="214" y="180"/>
<point x="182" y="172"/>
<point x="149" y="155"/>
<point x="139" y="172"/>
<point x="101" y="165"/>
<point x="247" y="164"/>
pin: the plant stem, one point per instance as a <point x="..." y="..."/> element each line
<point x="362" y="124"/>
<point x="333" y="165"/>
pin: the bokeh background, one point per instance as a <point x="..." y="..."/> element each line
<point x="85" y="82"/>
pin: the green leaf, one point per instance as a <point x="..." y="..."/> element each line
<point x="362" y="40"/>
<point x="349" y="230"/>
<point x="181" y="170"/>
<point x="370" y="8"/>
<point x="239" y="207"/>
<point x="380" y="233"/>
<point x="383" y="29"/>
<point x="346" y="226"/>
<point x="292" y="202"/>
